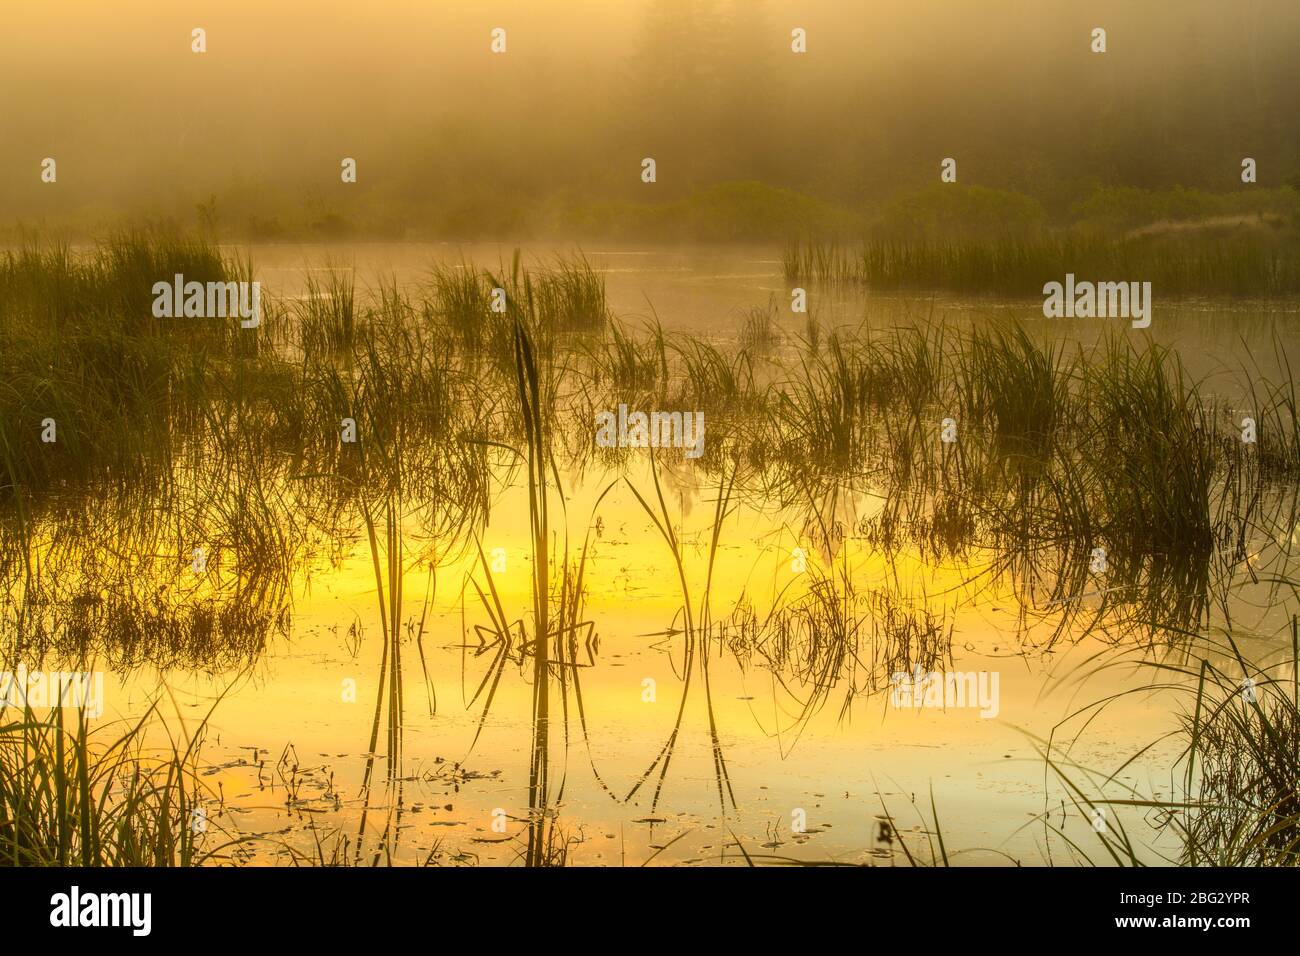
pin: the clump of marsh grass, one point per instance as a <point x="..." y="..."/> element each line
<point x="1018" y="388"/>
<point x="570" y="296"/>
<point x="760" y="333"/>
<point x="1244" y="265"/>
<point x="461" y="301"/>
<point x="635" y="367"/>
<point x="86" y="353"/>
<point x="50" y="287"/>
<point x="326" y="315"/>
<point x="625" y="366"/>
<point x="1235" y="779"/>
<point x="73" y="797"/>
<point x="820" y="412"/>
<point x="1152" y="452"/>
<point x="1276" y="414"/>
<point x="1241" y="763"/>
<point x="822" y="261"/>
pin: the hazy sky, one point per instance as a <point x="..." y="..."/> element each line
<point x="136" y="121"/>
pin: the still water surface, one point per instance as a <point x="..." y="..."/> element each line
<point x="288" y="751"/>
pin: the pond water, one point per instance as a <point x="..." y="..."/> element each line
<point x="754" y="757"/>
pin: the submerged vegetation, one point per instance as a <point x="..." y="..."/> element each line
<point x="197" y="470"/>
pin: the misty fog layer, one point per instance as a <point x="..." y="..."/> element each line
<point x="548" y="137"/>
